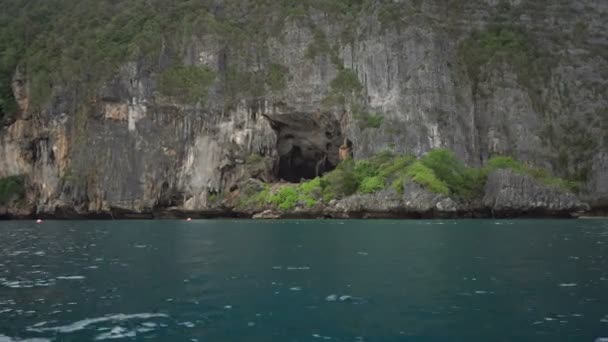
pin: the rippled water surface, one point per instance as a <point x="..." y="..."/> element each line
<point x="483" y="280"/>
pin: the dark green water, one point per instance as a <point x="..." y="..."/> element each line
<point x="483" y="280"/>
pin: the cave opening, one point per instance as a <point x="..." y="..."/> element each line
<point x="307" y="145"/>
<point x="295" y="166"/>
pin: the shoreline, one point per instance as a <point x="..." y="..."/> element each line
<point x="269" y="215"/>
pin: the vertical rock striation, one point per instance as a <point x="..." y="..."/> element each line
<point x="523" y="78"/>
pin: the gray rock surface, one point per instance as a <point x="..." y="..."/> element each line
<point x="127" y="146"/>
<point x="508" y="191"/>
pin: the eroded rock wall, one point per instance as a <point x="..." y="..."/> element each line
<point x="123" y="144"/>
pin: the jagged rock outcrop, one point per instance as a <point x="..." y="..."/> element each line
<point x="523" y="78"/>
<point x="507" y="192"/>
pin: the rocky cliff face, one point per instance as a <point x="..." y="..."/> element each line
<point x="521" y="77"/>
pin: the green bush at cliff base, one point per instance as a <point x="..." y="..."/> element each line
<point x="460" y="180"/>
<point x="11" y="189"/>
<point x="340" y="182"/>
<point x="438" y="171"/>
<point x="289" y="196"/>
<point x="372" y="184"/>
<point x="285" y="199"/>
<point x="426" y="177"/>
<point x="253" y="198"/>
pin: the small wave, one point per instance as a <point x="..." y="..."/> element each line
<point x="295" y="288"/>
<point x="80" y="325"/>
<point x="298" y="268"/>
<point x="482" y="292"/>
<point x="74" y="277"/>
<point x="321" y="337"/>
<point x="4" y="338"/>
<point x="115" y="333"/>
<point x="26" y="284"/>
<point x="187" y="324"/>
<point x="568" y="284"/>
<point x="331" y="298"/>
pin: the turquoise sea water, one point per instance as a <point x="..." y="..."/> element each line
<point x="223" y="280"/>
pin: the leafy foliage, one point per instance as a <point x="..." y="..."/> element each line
<point x="340" y="182"/>
<point x="426" y="177"/>
<point x="368" y="120"/>
<point x="439" y="171"/>
<point x="186" y="83"/>
<point x="459" y="179"/>
<point x="344" y="86"/>
<point x="496" y="41"/>
<point x="276" y="77"/>
<point x="372" y="184"/>
<point x="286" y="198"/>
<point x="11" y="188"/>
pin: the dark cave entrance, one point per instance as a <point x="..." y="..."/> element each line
<point x="295" y="165"/>
<point x="307" y="145"/>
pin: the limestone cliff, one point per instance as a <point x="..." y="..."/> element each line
<point x="272" y="90"/>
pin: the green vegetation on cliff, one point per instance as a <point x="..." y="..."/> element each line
<point x="11" y="189"/>
<point x="541" y="175"/>
<point x="63" y="43"/>
<point x="187" y="83"/>
<point x="438" y="171"/>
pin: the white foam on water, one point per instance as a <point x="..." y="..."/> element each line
<point x="4" y="338"/>
<point x="601" y="339"/>
<point x="363" y="253"/>
<point x="295" y="288"/>
<point x="277" y="267"/>
<point x="140" y="246"/>
<point x="538" y="322"/>
<point x="321" y="337"/>
<point x="227" y="307"/>
<point x="298" y="268"/>
<point x="27" y="284"/>
<point x="331" y="298"/>
<point x="251" y="324"/>
<point x="82" y="324"/>
<point x="345" y="297"/>
<point x="115" y="333"/>
<point x="187" y="324"/>
<point x="74" y="277"/>
<point x="549" y="319"/>
<point x="568" y="284"/>
<point x="481" y="292"/>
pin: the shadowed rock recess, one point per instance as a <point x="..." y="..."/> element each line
<point x="237" y="107"/>
<point x="307" y="144"/>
